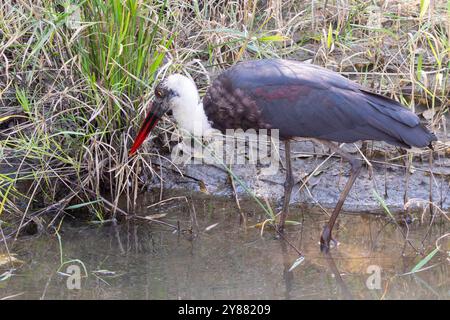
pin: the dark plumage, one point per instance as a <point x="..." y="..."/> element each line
<point x="303" y="100"/>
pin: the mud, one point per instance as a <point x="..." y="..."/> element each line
<point x="393" y="178"/>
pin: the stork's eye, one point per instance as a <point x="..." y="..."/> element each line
<point x="158" y="93"/>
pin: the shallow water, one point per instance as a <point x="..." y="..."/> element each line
<point x="138" y="259"/>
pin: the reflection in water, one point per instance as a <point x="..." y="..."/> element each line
<point x="334" y="270"/>
<point x="288" y="276"/>
<point x="142" y="260"/>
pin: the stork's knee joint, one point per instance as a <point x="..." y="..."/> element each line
<point x="289" y="182"/>
<point x="356" y="164"/>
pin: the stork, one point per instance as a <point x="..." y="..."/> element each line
<point x="298" y="99"/>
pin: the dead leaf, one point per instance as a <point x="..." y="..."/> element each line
<point x="6" y="259"/>
<point x="2" y="119"/>
<point x="203" y="187"/>
<point x="316" y="173"/>
<point x="211" y="226"/>
<point x="300" y="156"/>
<point x="104" y="272"/>
<point x="156" y="216"/>
<point x="296" y="263"/>
<point x="429" y="113"/>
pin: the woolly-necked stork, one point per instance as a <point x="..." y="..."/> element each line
<point x="298" y="99"/>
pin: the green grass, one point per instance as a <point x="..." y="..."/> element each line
<point x="82" y="88"/>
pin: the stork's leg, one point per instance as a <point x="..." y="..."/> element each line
<point x="288" y="185"/>
<point x="354" y="172"/>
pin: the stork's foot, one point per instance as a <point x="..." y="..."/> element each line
<point x="325" y="240"/>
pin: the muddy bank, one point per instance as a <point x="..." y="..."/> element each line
<point x="389" y="177"/>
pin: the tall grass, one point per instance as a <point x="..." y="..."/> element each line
<point x="73" y="90"/>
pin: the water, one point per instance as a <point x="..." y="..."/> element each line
<point x="137" y="259"/>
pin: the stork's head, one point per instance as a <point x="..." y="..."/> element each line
<point x="177" y="93"/>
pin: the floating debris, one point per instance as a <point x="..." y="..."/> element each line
<point x="297" y="263"/>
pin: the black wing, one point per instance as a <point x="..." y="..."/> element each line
<point x="303" y="100"/>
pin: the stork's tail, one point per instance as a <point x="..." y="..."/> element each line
<point x="400" y="124"/>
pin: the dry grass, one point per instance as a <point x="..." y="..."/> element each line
<point x="73" y="93"/>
